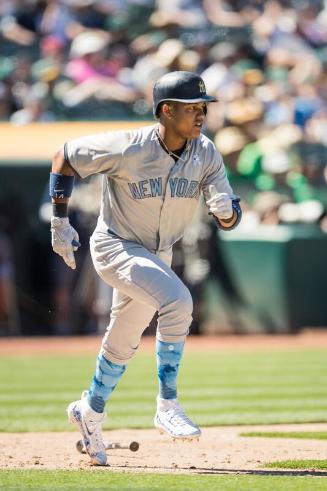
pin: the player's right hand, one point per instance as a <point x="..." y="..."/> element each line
<point x="221" y="205"/>
<point x="64" y="240"/>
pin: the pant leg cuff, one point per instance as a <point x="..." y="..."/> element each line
<point x="115" y="359"/>
<point x="165" y="338"/>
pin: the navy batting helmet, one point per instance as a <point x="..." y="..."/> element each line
<point x="179" y="86"/>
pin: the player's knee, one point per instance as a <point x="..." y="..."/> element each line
<point x="176" y="316"/>
<point x="179" y="309"/>
<point x="185" y="303"/>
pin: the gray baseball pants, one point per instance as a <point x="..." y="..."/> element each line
<point x="143" y="283"/>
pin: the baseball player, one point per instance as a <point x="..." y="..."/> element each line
<point x="152" y="181"/>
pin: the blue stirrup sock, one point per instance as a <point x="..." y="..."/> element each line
<point x="168" y="359"/>
<point x="107" y="375"/>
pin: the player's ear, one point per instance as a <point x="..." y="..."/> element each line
<point x="167" y="110"/>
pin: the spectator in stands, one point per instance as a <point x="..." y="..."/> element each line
<point x="9" y="319"/>
<point x="93" y="73"/>
<point x="34" y="107"/>
<point x="185" y="13"/>
<point x="265" y="60"/>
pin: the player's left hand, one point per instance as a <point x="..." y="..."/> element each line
<point x="64" y="240"/>
<point x="221" y="205"/>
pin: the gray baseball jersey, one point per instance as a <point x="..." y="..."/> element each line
<point x="147" y="197"/>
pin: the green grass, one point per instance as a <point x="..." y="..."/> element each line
<point x="299" y="464"/>
<point x="215" y="388"/>
<point x="106" y="481"/>
<point x="315" y="435"/>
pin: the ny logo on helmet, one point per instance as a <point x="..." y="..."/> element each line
<point x="202" y="87"/>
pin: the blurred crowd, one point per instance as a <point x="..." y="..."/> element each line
<point x="265" y="61"/>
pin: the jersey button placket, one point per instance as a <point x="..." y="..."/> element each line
<point x="164" y="230"/>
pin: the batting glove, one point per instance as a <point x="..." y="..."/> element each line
<point x="64" y="240"/>
<point x="221" y="205"/>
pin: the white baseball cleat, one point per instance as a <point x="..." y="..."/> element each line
<point x="89" y="423"/>
<point x="171" y="418"/>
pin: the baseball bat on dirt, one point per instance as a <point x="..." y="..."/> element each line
<point x="132" y="446"/>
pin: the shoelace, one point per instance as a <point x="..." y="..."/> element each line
<point x="178" y="417"/>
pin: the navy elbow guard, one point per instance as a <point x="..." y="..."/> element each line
<point x="60" y="186"/>
<point x="236" y="209"/>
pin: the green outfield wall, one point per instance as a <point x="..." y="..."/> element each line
<point x="279" y="276"/>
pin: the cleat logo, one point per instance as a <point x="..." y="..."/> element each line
<point x="90" y="433"/>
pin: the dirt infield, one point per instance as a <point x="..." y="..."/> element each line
<point x="220" y="449"/>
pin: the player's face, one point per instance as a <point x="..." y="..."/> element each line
<point x="188" y="119"/>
